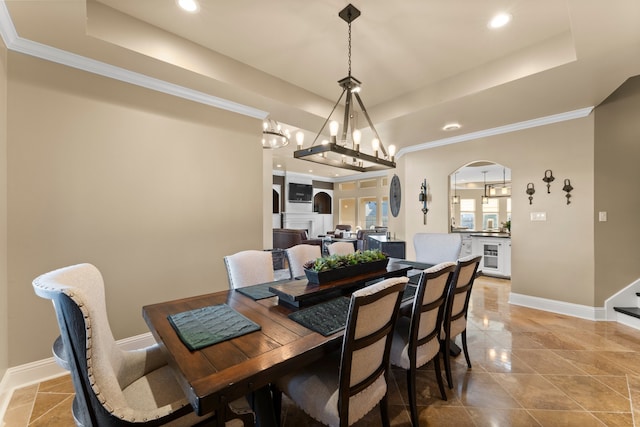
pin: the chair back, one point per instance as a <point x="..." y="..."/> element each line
<point x="367" y="341"/>
<point x="435" y="248"/>
<point x="97" y="365"/>
<point x="249" y="267"/>
<point x="341" y="248"/>
<point x="340" y="229"/>
<point x="427" y="313"/>
<point x="463" y="279"/>
<point x="298" y="255"/>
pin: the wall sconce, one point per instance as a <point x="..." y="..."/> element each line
<point x="422" y="198"/>
<point x="548" y="178"/>
<point x="530" y="191"/>
<point x="567" y="187"/>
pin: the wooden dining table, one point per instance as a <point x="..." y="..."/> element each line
<point x="218" y="374"/>
<point x="215" y="375"/>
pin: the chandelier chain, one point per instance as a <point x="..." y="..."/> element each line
<point x="349" y="74"/>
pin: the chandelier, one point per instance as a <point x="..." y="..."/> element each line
<point x="498" y="189"/>
<point x="345" y="152"/>
<point x="273" y="136"/>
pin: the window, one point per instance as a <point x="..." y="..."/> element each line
<point x="385" y="211"/>
<point x="368" y="183"/>
<point x="368" y="212"/>
<point x="468" y="213"/>
<point x="490" y="212"/>
<point x="348" y="186"/>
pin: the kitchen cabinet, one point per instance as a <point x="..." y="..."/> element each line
<point x="496" y="255"/>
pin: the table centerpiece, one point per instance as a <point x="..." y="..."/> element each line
<point x="335" y="267"/>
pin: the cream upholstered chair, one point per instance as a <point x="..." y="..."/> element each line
<point x="298" y="255"/>
<point x="344" y="386"/>
<point x="455" y="318"/>
<point x="434" y="248"/>
<point x="249" y="267"/>
<point x="416" y="339"/>
<point x="341" y="248"/>
<point x="113" y="387"/>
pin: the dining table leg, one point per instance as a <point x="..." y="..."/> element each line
<point x="262" y="403"/>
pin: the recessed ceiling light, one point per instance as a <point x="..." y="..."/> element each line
<point x="189" y="5"/>
<point x="500" y="20"/>
<point x="451" y="126"/>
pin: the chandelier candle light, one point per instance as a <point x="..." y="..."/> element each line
<point x="336" y="152"/>
<point x="273" y="136"/>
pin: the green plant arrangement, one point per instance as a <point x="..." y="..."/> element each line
<point x="338" y="261"/>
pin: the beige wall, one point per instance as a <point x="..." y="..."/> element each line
<point x="552" y="259"/>
<point x="4" y="292"/>
<point x="617" y="153"/>
<point x="152" y="189"/>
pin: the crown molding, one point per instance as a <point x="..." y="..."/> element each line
<point x="18" y="44"/>
<point x="514" y="127"/>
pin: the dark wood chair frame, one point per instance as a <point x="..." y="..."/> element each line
<point x="350" y="345"/>
<point x="70" y="352"/>
<point x="456" y="291"/>
<point x="418" y="309"/>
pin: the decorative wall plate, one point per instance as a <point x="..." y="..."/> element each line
<point x="395" y="196"/>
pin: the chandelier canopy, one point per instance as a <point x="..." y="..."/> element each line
<point x="345" y="152"/>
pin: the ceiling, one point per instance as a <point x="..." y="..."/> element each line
<point x="423" y="63"/>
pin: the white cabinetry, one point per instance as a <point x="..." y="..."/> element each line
<point x="496" y="255"/>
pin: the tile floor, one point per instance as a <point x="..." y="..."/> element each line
<point x="530" y="368"/>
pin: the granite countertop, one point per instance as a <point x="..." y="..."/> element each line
<point x="498" y="235"/>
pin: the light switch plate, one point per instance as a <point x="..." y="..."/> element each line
<point x="538" y="216"/>
<point x="602" y="216"/>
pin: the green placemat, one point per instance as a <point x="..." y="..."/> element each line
<point x="261" y="291"/>
<point x="325" y="318"/>
<point x="416" y="264"/>
<point x="257" y="292"/>
<point x="205" y="326"/>
<point x="409" y="292"/>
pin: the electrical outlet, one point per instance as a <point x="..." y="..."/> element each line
<point x="538" y="216"/>
<point x="602" y="216"/>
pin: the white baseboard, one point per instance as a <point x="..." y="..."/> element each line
<point x="560" y="307"/>
<point x="42" y="370"/>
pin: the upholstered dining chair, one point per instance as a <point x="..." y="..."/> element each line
<point x="298" y="255"/>
<point x="344" y="386"/>
<point x="249" y="267"/>
<point x="341" y="248"/>
<point x="434" y="248"/>
<point x="340" y="229"/>
<point x="455" y="318"/>
<point x="416" y="339"/>
<point x="113" y="387"/>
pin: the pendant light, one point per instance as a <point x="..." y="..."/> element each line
<point x="455" y="199"/>
<point x="485" y="198"/>
<point x="344" y="151"/>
